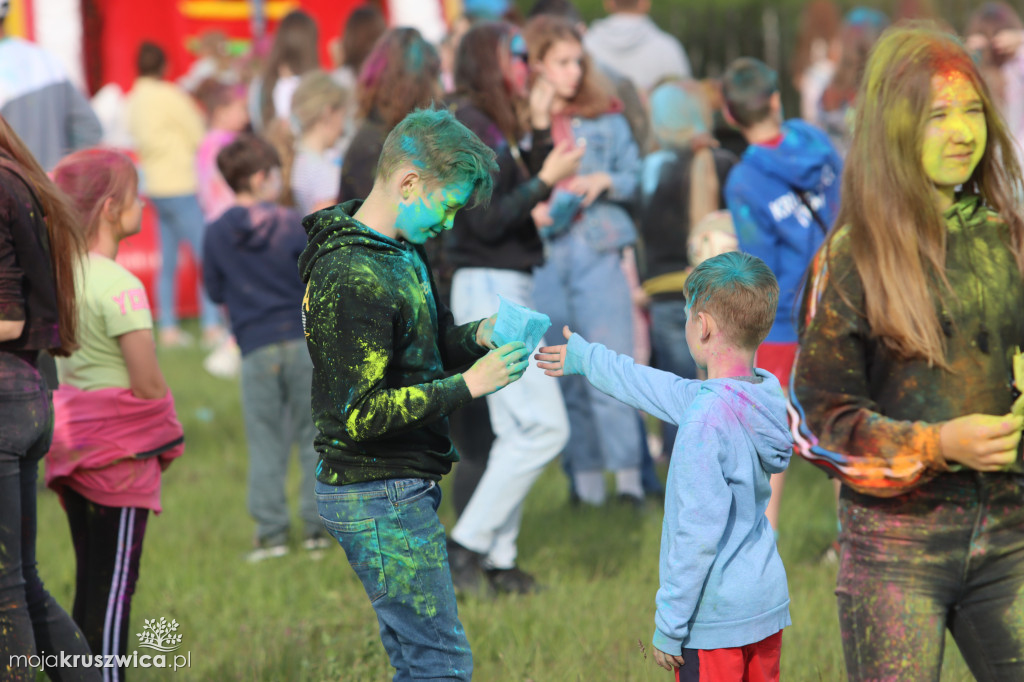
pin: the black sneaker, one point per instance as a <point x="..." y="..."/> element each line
<point x="468" y="575"/>
<point x="512" y="581"/>
<point x="631" y="501"/>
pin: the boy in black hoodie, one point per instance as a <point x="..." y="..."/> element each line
<point x="381" y="341"/>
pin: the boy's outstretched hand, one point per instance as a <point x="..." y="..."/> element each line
<point x="667" y="661"/>
<point x="551" y="359"/>
<point x="497" y="369"/>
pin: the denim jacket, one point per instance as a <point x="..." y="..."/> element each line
<point x="610" y="147"/>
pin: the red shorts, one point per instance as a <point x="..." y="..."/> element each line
<point x="757" y="662"/>
<point x="777" y="358"/>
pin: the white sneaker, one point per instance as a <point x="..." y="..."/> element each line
<point x="225" y="361"/>
<point x="262" y="552"/>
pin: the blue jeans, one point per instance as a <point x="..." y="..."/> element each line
<point x="396" y="545"/>
<point x="31" y="621"/>
<point x="586" y="289"/>
<point x="276" y="381"/>
<point x="181" y="219"/>
<point x="670" y="352"/>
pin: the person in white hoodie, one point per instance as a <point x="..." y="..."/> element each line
<point x="629" y="41"/>
<point x="723" y="600"/>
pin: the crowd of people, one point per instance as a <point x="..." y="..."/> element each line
<point x="731" y="287"/>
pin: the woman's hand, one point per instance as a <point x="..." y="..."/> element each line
<point x="982" y="442"/>
<point x="561" y="162"/>
<point x="1008" y="41"/>
<point x="497" y="369"/>
<point x="542" y="97"/>
<point x="541" y="215"/>
<point x="590" y="186"/>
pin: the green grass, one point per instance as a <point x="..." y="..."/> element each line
<point x="298" y="619"/>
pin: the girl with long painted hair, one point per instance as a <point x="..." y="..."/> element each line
<point x="115" y="423"/>
<point x="902" y="388"/>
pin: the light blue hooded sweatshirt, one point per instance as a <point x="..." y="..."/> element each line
<point x="722" y="580"/>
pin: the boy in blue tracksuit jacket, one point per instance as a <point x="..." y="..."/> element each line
<point x="783" y="195"/>
<point x="723" y="599"/>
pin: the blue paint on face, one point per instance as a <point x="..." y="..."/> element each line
<point x="427" y="212"/>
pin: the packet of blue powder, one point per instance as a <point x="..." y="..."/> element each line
<point x="518" y="323"/>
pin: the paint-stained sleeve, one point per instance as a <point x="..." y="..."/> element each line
<point x="836" y="424"/>
<point x="697" y="506"/>
<point x="660" y="394"/>
<point x="755" y="231"/>
<point x="351" y="321"/>
<point x="12" y="297"/>
<point x="458" y="342"/>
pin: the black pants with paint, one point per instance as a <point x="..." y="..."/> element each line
<point x="946" y="556"/>
<point x="32" y="623"/>
<point x="108" y="548"/>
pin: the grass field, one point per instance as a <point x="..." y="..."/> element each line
<point x="296" y="618"/>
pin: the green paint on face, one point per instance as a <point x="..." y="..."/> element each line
<point x="955" y="134"/>
<point x="428" y="212"/>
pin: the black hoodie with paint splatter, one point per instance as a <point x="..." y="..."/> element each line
<point x="380" y="342"/>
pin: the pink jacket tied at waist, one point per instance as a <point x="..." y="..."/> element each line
<point x="111" y="447"/>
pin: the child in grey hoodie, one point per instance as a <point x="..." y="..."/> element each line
<point x="723" y="600"/>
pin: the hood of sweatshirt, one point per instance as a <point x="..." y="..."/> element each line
<point x="762" y="407"/>
<point x="253" y="228"/>
<point x="623" y="32"/>
<point x="333" y="228"/>
<point x="798" y="160"/>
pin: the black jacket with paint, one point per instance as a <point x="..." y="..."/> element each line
<point x="380" y="343"/>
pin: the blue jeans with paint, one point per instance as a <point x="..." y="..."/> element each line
<point x="31" y="621"/>
<point x="276" y="381"/>
<point x="586" y="289"/>
<point x="181" y="219"/>
<point x="396" y="545"/>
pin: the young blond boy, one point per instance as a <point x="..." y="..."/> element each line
<point x="723" y="599"/>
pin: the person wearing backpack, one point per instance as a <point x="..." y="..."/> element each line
<point x="783" y="196"/>
<point x="681" y="185"/>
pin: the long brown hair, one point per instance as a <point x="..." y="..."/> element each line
<point x="899" y="243"/>
<point x="594" y="96"/>
<point x="819" y="21"/>
<point x="401" y="73"/>
<point x="295" y="46"/>
<point x="860" y="31"/>
<point x="477" y="76"/>
<point x="65" y="240"/>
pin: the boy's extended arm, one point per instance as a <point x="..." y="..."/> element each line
<point x="696" y="515"/>
<point x="660" y="394"/>
<point x="350" y="327"/>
